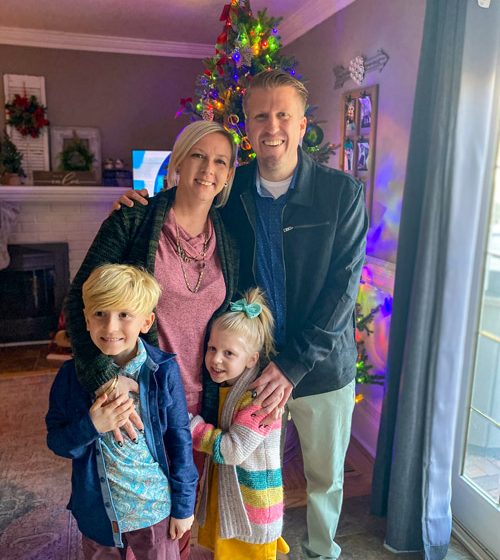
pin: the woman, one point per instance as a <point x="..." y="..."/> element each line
<point x="178" y="237"/>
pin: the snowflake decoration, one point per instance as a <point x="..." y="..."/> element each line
<point x="357" y="69"/>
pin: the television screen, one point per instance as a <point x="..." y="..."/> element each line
<point x="149" y="168"/>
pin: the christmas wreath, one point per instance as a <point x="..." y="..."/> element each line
<point x="76" y="156"/>
<point x="27" y="115"/>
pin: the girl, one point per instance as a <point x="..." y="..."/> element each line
<point x="241" y="500"/>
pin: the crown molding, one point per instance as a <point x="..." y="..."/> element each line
<point x="310" y="15"/>
<point x="100" y="43"/>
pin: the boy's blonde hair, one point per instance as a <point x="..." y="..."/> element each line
<point x="258" y="331"/>
<point x="120" y="286"/>
<point x="188" y="137"/>
<point x="270" y="79"/>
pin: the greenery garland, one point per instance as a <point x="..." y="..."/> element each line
<point x="27" y="115"/>
<point x="76" y="156"/>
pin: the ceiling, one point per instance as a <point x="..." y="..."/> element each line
<point x="153" y="27"/>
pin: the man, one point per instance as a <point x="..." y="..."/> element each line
<point x="301" y="228"/>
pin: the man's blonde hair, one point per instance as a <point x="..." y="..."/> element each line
<point x="187" y="138"/>
<point x="269" y="79"/>
<point x="118" y="287"/>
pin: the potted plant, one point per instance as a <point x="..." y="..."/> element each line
<point x="11" y="158"/>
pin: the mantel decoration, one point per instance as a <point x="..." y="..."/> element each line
<point x="359" y="66"/>
<point x="27" y="115"/>
<point x="76" y="149"/>
<point x="76" y="155"/>
<point x="11" y="159"/>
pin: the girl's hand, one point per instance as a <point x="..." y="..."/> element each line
<point x="179" y="526"/>
<point x="107" y="416"/>
<point x="124" y="386"/>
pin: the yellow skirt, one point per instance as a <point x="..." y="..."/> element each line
<point x="232" y="549"/>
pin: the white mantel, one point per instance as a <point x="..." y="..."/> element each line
<point x="71" y="193"/>
<point x="66" y="214"/>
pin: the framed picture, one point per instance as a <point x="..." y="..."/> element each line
<point x="350" y="116"/>
<point x="349" y="156"/>
<point x="363" y="154"/>
<point x="358" y="136"/>
<point x="61" y="136"/>
<point x="365" y="108"/>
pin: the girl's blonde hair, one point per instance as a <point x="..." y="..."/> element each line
<point x="188" y="137"/>
<point x="256" y="331"/>
<point x="118" y="287"/>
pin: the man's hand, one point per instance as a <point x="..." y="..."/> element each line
<point x="128" y="197"/>
<point x="179" y="526"/>
<point x="273" y="391"/>
<point x="124" y="386"/>
<point x="110" y="416"/>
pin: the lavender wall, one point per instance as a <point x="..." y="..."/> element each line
<point x="131" y="99"/>
<point x="362" y="28"/>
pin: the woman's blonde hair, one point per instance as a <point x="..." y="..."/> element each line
<point x="118" y="287"/>
<point x="187" y="138"/>
<point x="256" y="331"/>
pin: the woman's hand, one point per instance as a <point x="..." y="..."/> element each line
<point x="128" y="197"/>
<point x="124" y="386"/>
<point x="110" y="416"/>
<point x="179" y="526"/>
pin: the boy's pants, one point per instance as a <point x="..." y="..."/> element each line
<point x="150" y="543"/>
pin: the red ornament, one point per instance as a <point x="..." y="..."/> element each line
<point x="222" y="38"/>
<point x="225" y="13"/>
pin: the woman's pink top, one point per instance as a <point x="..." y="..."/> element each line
<point x="181" y="315"/>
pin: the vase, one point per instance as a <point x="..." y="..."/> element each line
<point x="11" y="179"/>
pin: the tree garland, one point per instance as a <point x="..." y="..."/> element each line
<point x="27" y="115"/>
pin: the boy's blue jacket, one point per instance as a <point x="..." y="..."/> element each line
<point x="72" y="434"/>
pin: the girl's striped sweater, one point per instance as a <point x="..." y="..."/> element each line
<point x="250" y="489"/>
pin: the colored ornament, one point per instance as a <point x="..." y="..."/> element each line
<point x="314" y="135"/>
<point x="245" y="144"/>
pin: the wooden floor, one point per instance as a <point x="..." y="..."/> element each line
<point x="31" y="357"/>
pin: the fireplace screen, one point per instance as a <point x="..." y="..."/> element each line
<point x="32" y="290"/>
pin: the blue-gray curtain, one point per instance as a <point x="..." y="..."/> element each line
<point x="412" y="473"/>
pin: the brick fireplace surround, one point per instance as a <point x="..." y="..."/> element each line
<point x="68" y="214"/>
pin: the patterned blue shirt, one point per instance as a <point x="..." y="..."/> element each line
<point x="139" y="488"/>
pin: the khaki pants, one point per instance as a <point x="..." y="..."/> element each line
<point x="323" y="423"/>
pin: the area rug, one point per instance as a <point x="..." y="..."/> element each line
<point x="35" y="483"/>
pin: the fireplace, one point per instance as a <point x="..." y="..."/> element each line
<point x="32" y="290"/>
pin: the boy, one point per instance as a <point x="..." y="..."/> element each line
<point x="126" y="493"/>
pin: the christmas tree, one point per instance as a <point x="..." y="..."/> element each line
<point x="10" y="157"/>
<point x="363" y="366"/>
<point x="247" y="45"/>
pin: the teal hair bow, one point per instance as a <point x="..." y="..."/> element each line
<point x="251" y="310"/>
